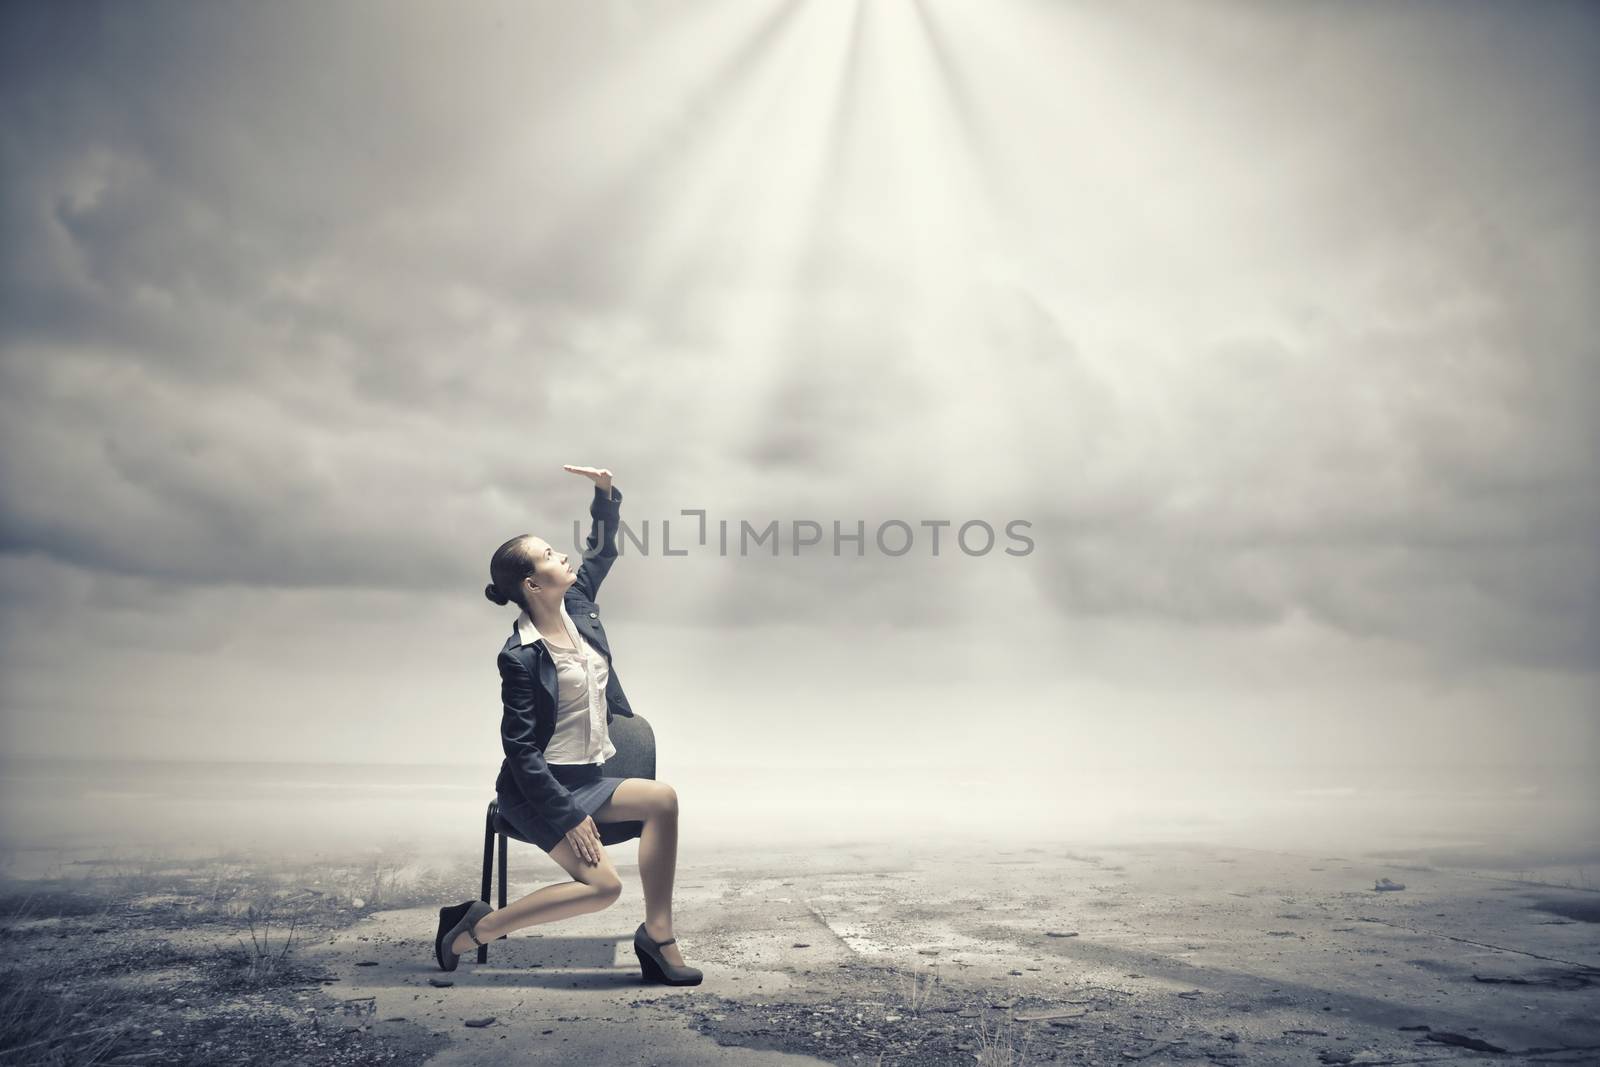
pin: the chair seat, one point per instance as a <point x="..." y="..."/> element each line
<point x="503" y="827"/>
<point x="611" y="833"/>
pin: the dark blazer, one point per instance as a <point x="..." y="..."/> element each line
<point x="528" y="680"/>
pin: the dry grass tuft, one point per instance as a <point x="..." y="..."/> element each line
<point x="916" y="990"/>
<point x="261" y="963"/>
<point x="998" y="1048"/>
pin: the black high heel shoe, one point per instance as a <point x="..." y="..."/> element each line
<point x="452" y="922"/>
<point x="655" y="966"/>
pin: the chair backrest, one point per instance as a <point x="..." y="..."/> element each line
<point x="635" y="758"/>
<point x="636" y="748"/>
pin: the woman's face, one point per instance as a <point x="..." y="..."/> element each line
<point x="551" y="569"/>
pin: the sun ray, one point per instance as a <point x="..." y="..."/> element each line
<point x="796" y="330"/>
<point x="980" y="151"/>
<point x="712" y="211"/>
<point x="884" y="212"/>
<point x="610" y="215"/>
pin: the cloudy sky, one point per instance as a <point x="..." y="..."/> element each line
<point x="1275" y="322"/>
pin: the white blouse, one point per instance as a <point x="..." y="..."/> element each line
<point x="580" y="733"/>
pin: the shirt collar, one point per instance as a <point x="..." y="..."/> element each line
<point x="528" y="633"/>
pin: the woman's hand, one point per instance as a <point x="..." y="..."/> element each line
<point x="598" y="475"/>
<point x="585" y="840"/>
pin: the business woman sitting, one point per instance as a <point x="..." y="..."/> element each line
<point x="558" y="692"/>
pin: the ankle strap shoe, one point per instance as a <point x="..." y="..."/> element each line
<point x="452" y="923"/>
<point x="655" y="967"/>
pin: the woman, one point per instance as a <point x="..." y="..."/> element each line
<point x="558" y="694"/>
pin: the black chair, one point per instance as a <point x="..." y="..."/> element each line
<point x="635" y="758"/>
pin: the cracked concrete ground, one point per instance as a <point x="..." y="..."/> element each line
<point x="1148" y="953"/>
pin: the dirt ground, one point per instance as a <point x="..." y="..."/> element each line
<point x="845" y="955"/>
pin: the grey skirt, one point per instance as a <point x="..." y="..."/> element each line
<point x="589" y="788"/>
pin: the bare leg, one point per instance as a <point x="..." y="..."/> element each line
<point x="594" y="887"/>
<point x="656" y="804"/>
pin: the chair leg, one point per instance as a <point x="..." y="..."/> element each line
<point x="503" y="880"/>
<point x="488" y="870"/>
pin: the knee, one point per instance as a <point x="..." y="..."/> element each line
<point x="606" y="889"/>
<point x="666" y="799"/>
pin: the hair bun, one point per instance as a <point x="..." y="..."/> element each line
<point x="494" y="595"/>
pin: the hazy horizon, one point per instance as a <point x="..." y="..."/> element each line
<point x="171" y="808"/>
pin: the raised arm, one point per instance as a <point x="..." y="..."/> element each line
<point x="601" y="549"/>
<point x="518" y="728"/>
